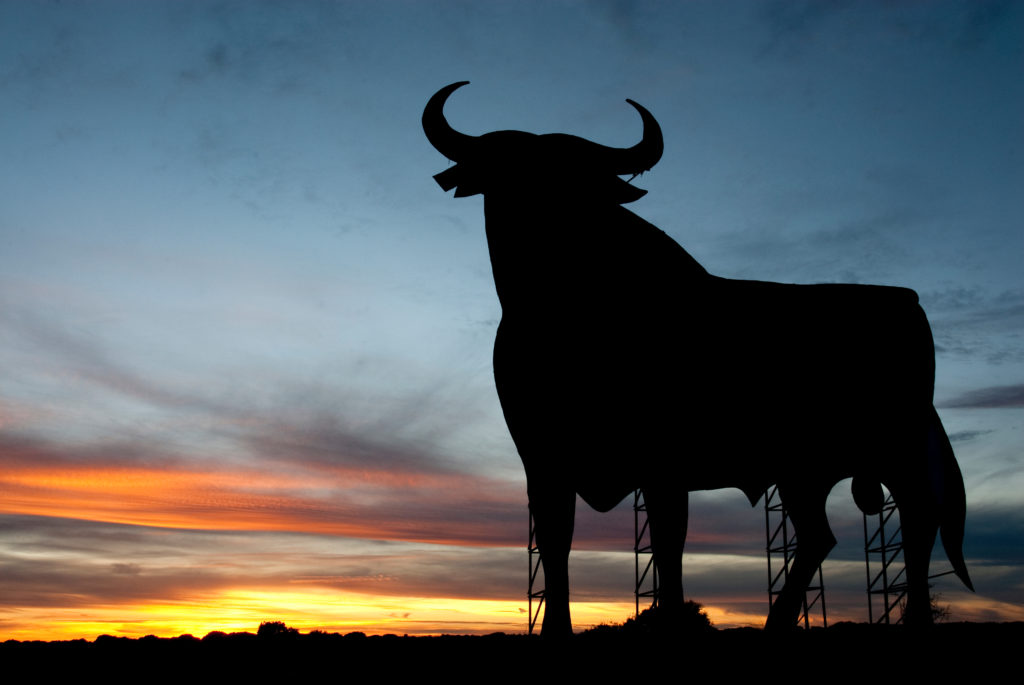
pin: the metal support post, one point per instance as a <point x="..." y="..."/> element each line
<point x="535" y="590"/>
<point x="645" y="570"/>
<point x="889" y="583"/>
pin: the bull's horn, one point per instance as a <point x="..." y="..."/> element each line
<point x="644" y="154"/>
<point x="444" y="138"/>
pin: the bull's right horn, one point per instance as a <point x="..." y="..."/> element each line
<point x="644" y="154"/>
<point x="444" y="138"/>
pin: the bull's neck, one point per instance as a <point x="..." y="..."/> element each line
<point x="535" y="252"/>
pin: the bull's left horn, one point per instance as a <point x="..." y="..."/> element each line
<point x="442" y="136"/>
<point x="644" y="154"/>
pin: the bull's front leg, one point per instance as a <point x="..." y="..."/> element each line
<point x="805" y="505"/>
<point x="668" y="516"/>
<point x="553" y="506"/>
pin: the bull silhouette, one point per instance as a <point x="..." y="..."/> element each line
<point x="621" y="363"/>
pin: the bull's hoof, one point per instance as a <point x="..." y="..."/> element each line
<point x="778" y="623"/>
<point x="916" y="616"/>
<point x="556" y="627"/>
<point x="556" y="635"/>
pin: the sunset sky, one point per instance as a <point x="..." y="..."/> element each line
<point x="245" y="338"/>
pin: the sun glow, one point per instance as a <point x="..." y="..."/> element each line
<point x="330" y="611"/>
<point x="724" y="617"/>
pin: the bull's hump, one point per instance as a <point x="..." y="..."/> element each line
<point x="848" y="294"/>
<point x="890" y="293"/>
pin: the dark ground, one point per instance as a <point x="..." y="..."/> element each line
<point x="863" y="652"/>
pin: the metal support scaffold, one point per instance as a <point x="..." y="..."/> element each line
<point x="535" y="590"/>
<point x="781" y="541"/>
<point x="646" y="573"/>
<point x="889" y="583"/>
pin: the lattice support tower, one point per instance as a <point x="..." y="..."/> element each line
<point x="889" y="583"/>
<point x="646" y="573"/>
<point x="535" y="589"/>
<point x="781" y="547"/>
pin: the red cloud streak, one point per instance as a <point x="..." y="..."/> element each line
<point x="454" y="509"/>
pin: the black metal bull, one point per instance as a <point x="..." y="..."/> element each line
<point x="621" y="363"/>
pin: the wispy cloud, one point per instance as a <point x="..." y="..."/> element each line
<point x="972" y="323"/>
<point x="995" y="397"/>
<point x="964" y="436"/>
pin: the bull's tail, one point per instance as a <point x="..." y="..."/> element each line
<point x="949" y="493"/>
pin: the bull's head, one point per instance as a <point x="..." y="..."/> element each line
<point x="517" y="162"/>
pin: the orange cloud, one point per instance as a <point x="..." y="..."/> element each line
<point x="332" y="500"/>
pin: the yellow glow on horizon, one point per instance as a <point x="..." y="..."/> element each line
<point x="327" y="610"/>
<point x="722" y="617"/>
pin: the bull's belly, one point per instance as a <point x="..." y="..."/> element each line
<point x="609" y="419"/>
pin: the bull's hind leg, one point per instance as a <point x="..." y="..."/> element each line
<point x="918" y="525"/>
<point x="806" y="508"/>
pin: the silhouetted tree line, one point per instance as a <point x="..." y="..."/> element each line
<point x="276" y="650"/>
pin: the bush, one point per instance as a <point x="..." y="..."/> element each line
<point x="275" y="630"/>
<point x="693" y="620"/>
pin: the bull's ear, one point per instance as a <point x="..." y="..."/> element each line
<point x="449" y="178"/>
<point x="456" y="177"/>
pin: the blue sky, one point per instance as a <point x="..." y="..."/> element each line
<point x="222" y="254"/>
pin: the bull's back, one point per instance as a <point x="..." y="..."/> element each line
<point x="824" y="337"/>
<point x="845" y="370"/>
